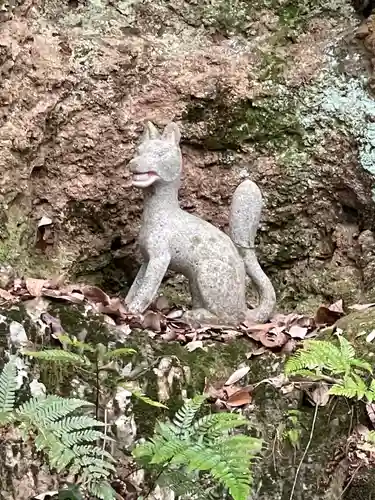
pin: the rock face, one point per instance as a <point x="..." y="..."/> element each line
<point x="259" y="89"/>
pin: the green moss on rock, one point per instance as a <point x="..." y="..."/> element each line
<point x="270" y="121"/>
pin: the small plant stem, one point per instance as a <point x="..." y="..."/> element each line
<point x="304" y="453"/>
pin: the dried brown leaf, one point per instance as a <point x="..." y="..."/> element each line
<point x="370" y="408"/>
<point x="5" y="295"/>
<point x="337" y="307"/>
<point x="240" y="398"/>
<point x="230" y="389"/>
<point x="44" y="221"/>
<point x="175" y="314"/>
<point x="325" y="316"/>
<point x="228" y="335"/>
<point x="213" y="392"/>
<point x="298" y="332"/>
<point x="237" y="375"/>
<point x="272" y="340"/>
<point x="74" y="298"/>
<point x="95" y="294"/>
<point x="289" y="347"/>
<point x="169" y="335"/>
<point x="195" y="344"/>
<point x="320" y="396"/>
<point x="256" y="331"/>
<point x="56" y="282"/>
<point x="362" y="307"/>
<point x="114" y="308"/>
<point x="256" y="352"/>
<point x="109" y="320"/>
<point x="162" y="304"/>
<point x="35" y="286"/>
<point x="53" y="323"/>
<point x="152" y="320"/>
<point x="371" y="336"/>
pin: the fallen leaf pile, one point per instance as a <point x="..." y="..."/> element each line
<point x="166" y="322"/>
<point x="230" y="395"/>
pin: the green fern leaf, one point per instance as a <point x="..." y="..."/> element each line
<point x="347" y="350"/>
<point x="371" y="436"/>
<point x="186" y="414"/>
<point x="50" y="409"/>
<point x="118" y="353"/>
<point x="168" y="449"/>
<point x="362" y="364"/>
<point x="92" y="451"/>
<point x="101" y="490"/>
<point x="347" y="388"/>
<point x="143" y="450"/>
<point x="65" y="339"/>
<point x="181" y="483"/>
<point x="58" y="355"/>
<point x="74" y="423"/>
<point x="95" y="464"/>
<point x="217" y="423"/>
<point x="320" y="355"/>
<point x="74" y="438"/>
<point x="314" y="375"/>
<point x="8" y="387"/>
<point x="147" y="400"/>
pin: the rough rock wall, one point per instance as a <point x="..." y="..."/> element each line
<point x="250" y="84"/>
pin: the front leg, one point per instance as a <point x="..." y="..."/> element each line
<point x="136" y="284"/>
<point x="155" y="271"/>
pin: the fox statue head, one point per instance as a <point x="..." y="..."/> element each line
<point x="158" y="159"/>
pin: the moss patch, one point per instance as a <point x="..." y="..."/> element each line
<point x="269" y="122"/>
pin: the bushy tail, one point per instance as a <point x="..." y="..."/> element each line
<point x="244" y="220"/>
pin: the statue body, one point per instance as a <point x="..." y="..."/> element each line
<point x="214" y="263"/>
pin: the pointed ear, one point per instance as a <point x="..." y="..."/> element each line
<point x="172" y="133"/>
<point x="150" y="132"/>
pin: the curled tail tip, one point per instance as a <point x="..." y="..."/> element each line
<point x="248" y="185"/>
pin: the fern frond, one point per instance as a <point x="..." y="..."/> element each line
<point x="362" y="364"/>
<point x="217" y="423"/>
<point x="49" y="409"/>
<point x="314" y="375"/>
<point x="143" y="450"/>
<point x="348" y="388"/>
<point x="186" y="414"/>
<point x="90" y="450"/>
<point x="240" y="445"/>
<point x="371" y="437"/>
<point x="58" y="355"/>
<point x="315" y="354"/>
<point x="88" y="435"/>
<point x="168" y="449"/>
<point x="189" y="451"/>
<point x="320" y="355"/>
<point x="65" y="339"/>
<point x="347" y="350"/>
<point x="8" y="387"/>
<point x="101" y="490"/>
<point x="202" y="458"/>
<point x="75" y="423"/>
<point x="118" y="353"/>
<point x="92" y="464"/>
<point x="181" y="482"/>
<point x="147" y="400"/>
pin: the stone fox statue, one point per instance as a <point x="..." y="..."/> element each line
<point x="214" y="263"/>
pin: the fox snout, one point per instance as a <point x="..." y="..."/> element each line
<point x="133" y="165"/>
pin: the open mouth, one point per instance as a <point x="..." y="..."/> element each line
<point x="145" y="179"/>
